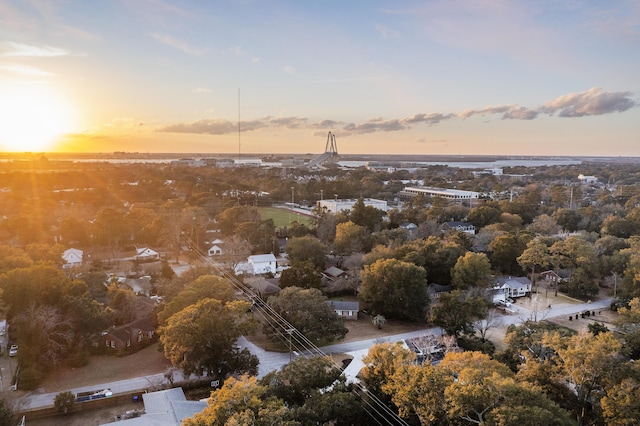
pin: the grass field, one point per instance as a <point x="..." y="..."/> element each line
<point x="283" y="217"/>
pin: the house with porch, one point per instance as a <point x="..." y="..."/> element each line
<point x="513" y="286"/>
<point x="457" y="225"/>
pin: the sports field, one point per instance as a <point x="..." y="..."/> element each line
<point x="283" y="217"/>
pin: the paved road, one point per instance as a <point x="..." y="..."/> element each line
<point x="270" y="361"/>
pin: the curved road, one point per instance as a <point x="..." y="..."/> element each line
<point x="270" y="361"/>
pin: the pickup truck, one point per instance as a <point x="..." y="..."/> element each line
<point x="91" y="395"/>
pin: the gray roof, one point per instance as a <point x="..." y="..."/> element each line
<point x="343" y="305"/>
<point x="165" y="408"/>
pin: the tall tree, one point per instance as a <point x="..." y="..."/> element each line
<point x="307" y="249"/>
<point x="457" y="311"/>
<point x="395" y="289"/>
<point x="201" y="338"/>
<point x="536" y="255"/>
<point x="308" y="311"/>
<point x="471" y="270"/>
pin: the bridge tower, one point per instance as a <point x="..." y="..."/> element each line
<point x="331" y="146"/>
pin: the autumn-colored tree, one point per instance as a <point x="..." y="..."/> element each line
<point x="470" y="271"/>
<point x="381" y="363"/>
<point x="239" y="401"/>
<point x="349" y="238"/>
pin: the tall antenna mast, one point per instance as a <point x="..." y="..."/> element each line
<point x="239" y="154"/>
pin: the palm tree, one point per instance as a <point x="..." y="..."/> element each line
<point x="379" y="321"/>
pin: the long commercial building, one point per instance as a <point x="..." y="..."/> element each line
<point x="453" y="195"/>
<point x="340" y="205"/>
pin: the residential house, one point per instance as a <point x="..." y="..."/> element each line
<point x="457" y="225"/>
<point x="345" y="309"/>
<point x="72" y="258"/>
<point x="435" y="290"/>
<point x="216" y="248"/>
<point x="262" y="263"/>
<point x="131" y="335"/>
<point x="264" y="287"/>
<point x="163" y="408"/>
<point x="146" y="254"/>
<point x="513" y="286"/>
<point x="332" y="273"/>
<point x="556" y="277"/>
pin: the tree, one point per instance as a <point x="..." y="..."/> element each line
<point x="578" y="255"/>
<point x="349" y="238"/>
<point x="471" y="270"/>
<point x="303" y="275"/>
<point x="7" y="416"/>
<point x="64" y="401"/>
<point x="419" y="390"/>
<point x="535" y="255"/>
<point x="381" y="363"/>
<point x="482" y="216"/>
<point x="307" y="249"/>
<point x="505" y="249"/>
<point x="308" y="311"/>
<point x="300" y="379"/>
<point x="366" y="216"/>
<point x="201" y="338"/>
<point x="395" y="289"/>
<point x="457" y="311"/>
<point x="241" y="401"/>
<point x="203" y="287"/>
<point x="122" y="301"/>
<point x="587" y="363"/>
<point x="378" y="321"/>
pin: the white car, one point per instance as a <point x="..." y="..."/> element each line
<point x="13" y="351"/>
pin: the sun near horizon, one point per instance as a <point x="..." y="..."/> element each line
<point x="34" y="117"/>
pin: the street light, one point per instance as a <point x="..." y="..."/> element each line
<point x="292" y="198"/>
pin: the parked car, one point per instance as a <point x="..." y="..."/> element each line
<point x="13" y="351"/>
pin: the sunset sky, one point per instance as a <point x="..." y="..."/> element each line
<point x="547" y="77"/>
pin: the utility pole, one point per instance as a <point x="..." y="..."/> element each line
<point x="292" y="196"/>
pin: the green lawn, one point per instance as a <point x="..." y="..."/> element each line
<point x="283" y="217"/>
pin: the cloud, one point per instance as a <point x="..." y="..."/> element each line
<point x="512" y="112"/>
<point x="386" y="32"/>
<point x="178" y="44"/>
<point x="288" y="122"/>
<point x="25" y="70"/>
<point x="592" y="102"/>
<point x="289" y="69"/>
<point x="201" y="90"/>
<point x="433" y="118"/>
<point x="12" y="48"/>
<point x="212" y="127"/>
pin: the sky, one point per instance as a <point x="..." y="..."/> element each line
<point x="463" y="77"/>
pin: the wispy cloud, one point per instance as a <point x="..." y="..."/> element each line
<point x="178" y="44"/>
<point x="592" y="102"/>
<point x="25" y="70"/>
<point x="289" y="69"/>
<point x="386" y="32"/>
<point x="201" y="90"/>
<point x="14" y="49"/>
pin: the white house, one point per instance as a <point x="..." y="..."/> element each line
<point x="72" y="258"/>
<point x="146" y="254"/>
<point x="465" y="227"/>
<point x="258" y="264"/>
<point x="216" y="247"/>
<point x="345" y="309"/>
<point x="514" y="286"/>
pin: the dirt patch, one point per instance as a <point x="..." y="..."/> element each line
<point x="604" y="316"/>
<point x="363" y="328"/>
<point x="104" y="369"/>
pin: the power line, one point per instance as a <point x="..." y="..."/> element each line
<point x="288" y="335"/>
